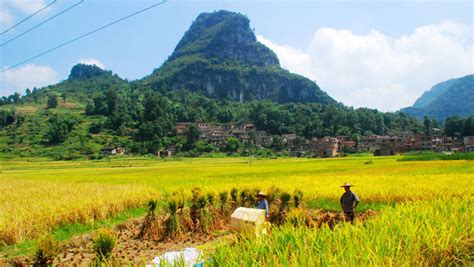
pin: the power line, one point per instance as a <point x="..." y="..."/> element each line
<point x="84" y="35"/>
<point x="36" y="26"/>
<point x="27" y="18"/>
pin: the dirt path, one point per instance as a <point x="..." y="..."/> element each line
<point x="128" y="250"/>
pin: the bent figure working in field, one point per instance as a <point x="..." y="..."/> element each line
<point x="349" y="202"/>
<point x="262" y="204"/>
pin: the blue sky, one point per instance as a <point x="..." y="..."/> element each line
<point x="378" y="54"/>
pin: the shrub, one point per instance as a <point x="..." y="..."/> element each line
<point x="103" y="243"/>
<point x="95" y="127"/>
<point x="52" y="101"/>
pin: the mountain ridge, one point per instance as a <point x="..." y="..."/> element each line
<point x="220" y="56"/>
<point x="445" y="99"/>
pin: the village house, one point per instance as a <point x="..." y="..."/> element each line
<point x="450" y="144"/>
<point x="324" y="147"/>
<point x="241" y="135"/>
<point x="391" y="144"/>
<point x="423" y="142"/>
<point x="347" y="145"/>
<point x="262" y="138"/>
<point x="369" y="143"/>
<point x="387" y="149"/>
<point x="182" y="127"/>
<point x="289" y="139"/>
<point x="468" y="142"/>
<point x="217" y="137"/>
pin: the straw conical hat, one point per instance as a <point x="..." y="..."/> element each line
<point x="261" y="193"/>
<point x="346" y="184"/>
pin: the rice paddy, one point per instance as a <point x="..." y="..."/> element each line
<point x="425" y="206"/>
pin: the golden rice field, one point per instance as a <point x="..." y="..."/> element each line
<point x="435" y="199"/>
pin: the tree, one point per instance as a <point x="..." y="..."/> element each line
<point x="52" y="101"/>
<point x="90" y="109"/>
<point x="192" y="136"/>
<point x="277" y="143"/>
<point x="380" y="125"/>
<point x="100" y="107"/>
<point x="58" y="129"/>
<point x="28" y="91"/>
<point x="204" y="147"/>
<point x="63" y="96"/>
<point x="232" y="145"/>
<point x="152" y="106"/>
<point x="427" y="125"/>
<point x="468" y="126"/>
<point x="16" y="98"/>
<point x="356" y="138"/>
<point x="225" y="115"/>
<point x="454" y="126"/>
<point x="6" y="117"/>
<point x="111" y="99"/>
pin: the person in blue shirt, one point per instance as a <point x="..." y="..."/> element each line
<point x="349" y="202"/>
<point x="262" y="204"/>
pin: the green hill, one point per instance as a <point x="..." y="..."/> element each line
<point x="449" y="98"/>
<point x="220" y="57"/>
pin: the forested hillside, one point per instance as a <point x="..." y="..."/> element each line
<point x="454" y="97"/>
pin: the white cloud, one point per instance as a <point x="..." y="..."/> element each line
<point x="379" y="71"/>
<point x="6" y="18"/>
<point x="27" y="76"/>
<point x="26" y="6"/>
<point x="92" y="61"/>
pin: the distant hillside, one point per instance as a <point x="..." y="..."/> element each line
<point x="84" y="82"/>
<point x="449" y="98"/>
<point x="220" y="57"/>
<point x="431" y="95"/>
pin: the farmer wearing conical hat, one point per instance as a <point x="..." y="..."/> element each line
<point x="262" y="203"/>
<point x="349" y="202"/>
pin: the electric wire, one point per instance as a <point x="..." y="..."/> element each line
<point x="83" y="35"/>
<point x="27" y="18"/>
<point x="43" y="22"/>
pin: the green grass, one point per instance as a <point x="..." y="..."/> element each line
<point x="426" y="156"/>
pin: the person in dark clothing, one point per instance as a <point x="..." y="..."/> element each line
<point x="262" y="204"/>
<point x="349" y="202"/>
